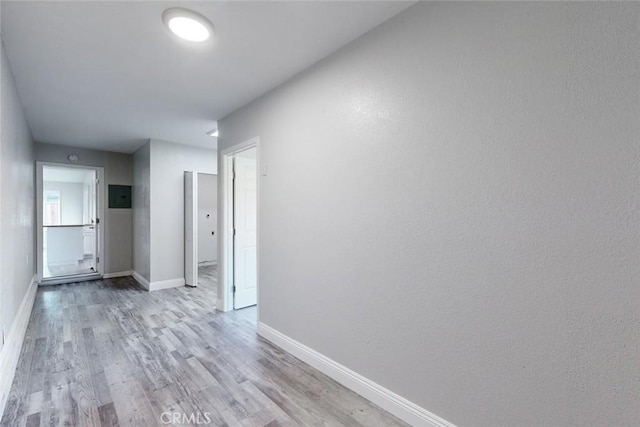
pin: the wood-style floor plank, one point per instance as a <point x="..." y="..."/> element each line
<point x="109" y="353"/>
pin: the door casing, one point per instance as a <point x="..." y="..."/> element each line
<point x="191" y="228"/>
<point x="225" y="272"/>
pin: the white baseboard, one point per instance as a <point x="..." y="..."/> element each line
<point x="116" y="274"/>
<point x="144" y="282"/>
<point x="60" y="280"/>
<point x="397" y="405"/>
<point x="166" y="284"/>
<point x="158" y="285"/>
<point x="10" y="353"/>
<point x="220" y="306"/>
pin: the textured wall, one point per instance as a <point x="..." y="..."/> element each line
<point x="17" y="189"/>
<point x="452" y="210"/>
<point x="141" y="202"/>
<point x="169" y="161"/>
<point x="118" y="223"/>
<point x="119" y="240"/>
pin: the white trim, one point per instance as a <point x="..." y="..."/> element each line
<point x="225" y="222"/>
<point x="166" y="284"/>
<point x="100" y="213"/>
<point x="386" y="399"/>
<point x="191" y="228"/>
<point x="10" y="353"/>
<point x="79" y="278"/>
<point x="39" y="221"/>
<point x="144" y="282"/>
<point x="116" y="274"/>
<point x="156" y="286"/>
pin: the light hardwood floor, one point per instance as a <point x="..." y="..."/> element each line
<point x="109" y="353"/>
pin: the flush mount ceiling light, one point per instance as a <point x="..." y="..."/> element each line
<point x="187" y="24"/>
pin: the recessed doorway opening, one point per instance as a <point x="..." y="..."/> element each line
<point x="201" y="222"/>
<point x="69" y="235"/>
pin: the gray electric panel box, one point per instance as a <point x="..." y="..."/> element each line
<point x="119" y="197"/>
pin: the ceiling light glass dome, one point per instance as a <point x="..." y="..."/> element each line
<point x="187" y="24"/>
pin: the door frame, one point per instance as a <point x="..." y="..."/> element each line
<point x="39" y="220"/>
<point x="194" y="231"/>
<point x="225" y="221"/>
<point x="191" y="218"/>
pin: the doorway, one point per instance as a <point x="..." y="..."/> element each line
<point x="201" y="236"/>
<point x="239" y="257"/>
<point x="69" y="231"/>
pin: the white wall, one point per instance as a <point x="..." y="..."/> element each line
<point x="168" y="163"/>
<point x="141" y="203"/>
<point x="64" y="245"/>
<point x="118" y="223"/>
<point x="452" y="210"/>
<point x="207" y="205"/>
<point x="17" y="188"/>
<point x="71" y="200"/>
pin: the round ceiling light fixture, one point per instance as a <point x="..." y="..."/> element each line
<point x="187" y="24"/>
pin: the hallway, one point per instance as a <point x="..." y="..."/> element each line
<point x="110" y="353"/>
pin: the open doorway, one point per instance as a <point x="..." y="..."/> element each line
<point x="69" y="230"/>
<point x="239" y="257"/>
<point x="201" y="236"/>
<point x="207" y="229"/>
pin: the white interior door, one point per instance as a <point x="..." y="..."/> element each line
<point x="245" y="226"/>
<point x="191" y="228"/>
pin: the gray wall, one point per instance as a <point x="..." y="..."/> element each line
<point x="17" y="190"/>
<point x="169" y="161"/>
<point x="141" y="211"/>
<point x="119" y="240"/>
<point x="452" y="210"/>
<point x="118" y="223"/>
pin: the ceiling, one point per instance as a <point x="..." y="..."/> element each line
<point x="109" y="75"/>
